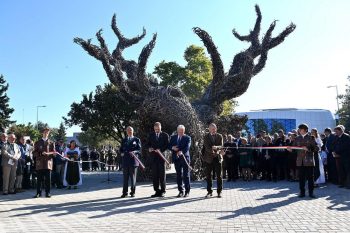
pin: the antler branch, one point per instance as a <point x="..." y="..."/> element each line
<point x="243" y="68"/>
<point x="115" y="64"/>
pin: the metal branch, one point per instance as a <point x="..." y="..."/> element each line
<point x="218" y="67"/>
<point x="123" y="41"/>
<point x="141" y="77"/>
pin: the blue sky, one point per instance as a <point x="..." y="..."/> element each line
<point x="44" y="67"/>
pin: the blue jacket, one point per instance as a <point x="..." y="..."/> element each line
<point x="127" y="146"/>
<point x="184" y="146"/>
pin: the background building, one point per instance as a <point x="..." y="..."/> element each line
<point x="74" y="137"/>
<point x="271" y="120"/>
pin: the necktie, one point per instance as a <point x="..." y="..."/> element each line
<point x="178" y="140"/>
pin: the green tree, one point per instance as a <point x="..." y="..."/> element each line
<point x="61" y="133"/>
<point x="344" y="111"/>
<point x="95" y="139"/>
<point x="5" y="110"/>
<point x="25" y="130"/>
<point x="194" y="78"/>
<point x="105" y="113"/>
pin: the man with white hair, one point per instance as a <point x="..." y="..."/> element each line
<point x="179" y="145"/>
<point x="10" y="155"/>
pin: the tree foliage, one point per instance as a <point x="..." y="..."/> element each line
<point x="193" y="78"/>
<point x="344" y="111"/>
<point x="5" y="110"/>
<point x="104" y="113"/>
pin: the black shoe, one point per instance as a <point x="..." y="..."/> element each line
<point x="312" y="196"/>
<point x="48" y="195"/>
<point x="69" y="187"/>
<point x="228" y="180"/>
<point x="123" y="195"/>
<point x="37" y="195"/>
<point x="132" y="194"/>
<point x="155" y="195"/>
<point x="209" y="194"/>
<point x="219" y="195"/>
<point x="187" y="194"/>
<point x="162" y="194"/>
<point x="12" y="192"/>
<point x="301" y="195"/>
<point x="181" y="194"/>
<point x="5" y="194"/>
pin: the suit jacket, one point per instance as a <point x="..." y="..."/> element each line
<point x="342" y="147"/>
<point x="209" y="142"/>
<point x="128" y="146"/>
<point x="8" y="153"/>
<point x="183" y="145"/>
<point x="160" y="143"/>
<point x="306" y="158"/>
<point x="43" y="162"/>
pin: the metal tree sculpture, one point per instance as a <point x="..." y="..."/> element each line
<point x="168" y="104"/>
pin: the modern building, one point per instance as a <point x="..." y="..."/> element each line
<point x="288" y="119"/>
<point x="74" y="137"/>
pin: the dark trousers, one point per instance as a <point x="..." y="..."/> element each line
<point x="44" y="178"/>
<point x="230" y="168"/>
<point x="332" y="169"/>
<point x="216" y="166"/>
<point x="0" y="176"/>
<point x="306" y="174"/>
<point x="344" y="174"/>
<point x="158" y="175"/>
<point x="129" y="173"/>
<point x="182" y="175"/>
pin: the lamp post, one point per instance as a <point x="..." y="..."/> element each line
<point x="37" y="115"/>
<point x="336" y="89"/>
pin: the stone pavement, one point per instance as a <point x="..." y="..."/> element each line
<point x="256" y="206"/>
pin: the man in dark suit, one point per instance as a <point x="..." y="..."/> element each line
<point x="130" y="147"/>
<point x="44" y="151"/>
<point x="212" y="158"/>
<point x="158" y="143"/>
<point x="231" y="154"/>
<point x="305" y="159"/>
<point x="331" y="161"/>
<point x="180" y="144"/>
<point x="342" y="149"/>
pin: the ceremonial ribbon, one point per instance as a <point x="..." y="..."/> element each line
<point x="264" y="148"/>
<point x="162" y="156"/>
<point x="188" y="165"/>
<point x="137" y="159"/>
<point x="84" y="161"/>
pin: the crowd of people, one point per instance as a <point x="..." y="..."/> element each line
<point x="39" y="165"/>
<point x="296" y="156"/>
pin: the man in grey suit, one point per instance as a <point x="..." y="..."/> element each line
<point x="10" y="154"/>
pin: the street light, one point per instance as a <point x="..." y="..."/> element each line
<point x="336" y="89"/>
<point x="37" y="115"/>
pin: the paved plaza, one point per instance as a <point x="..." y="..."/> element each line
<point x="256" y="206"/>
